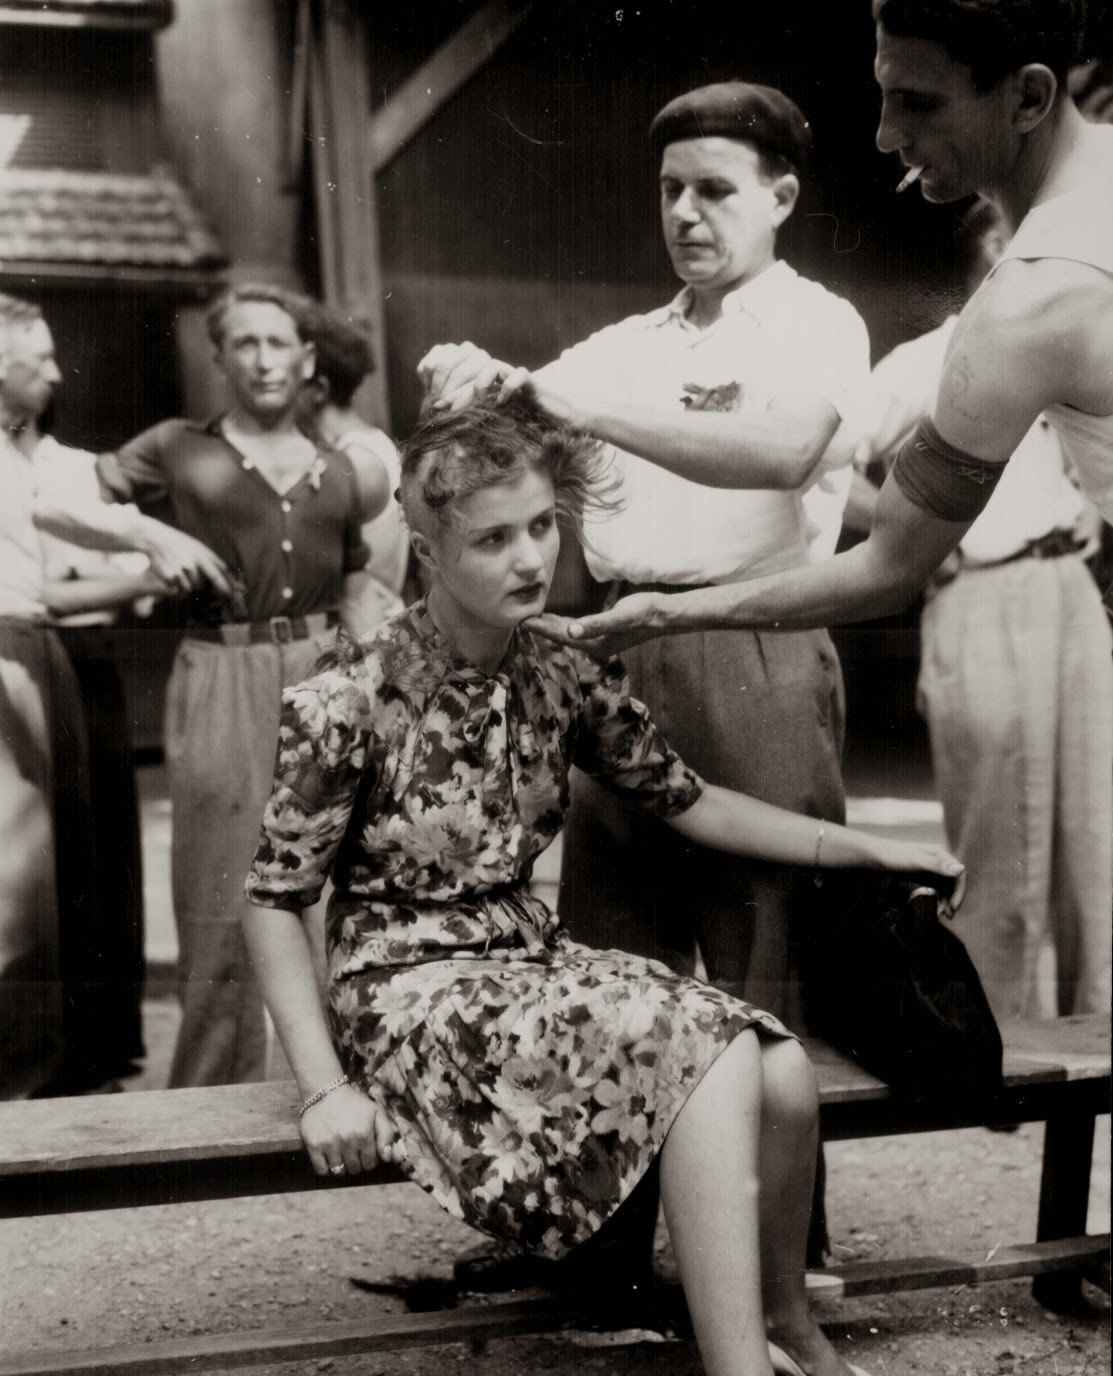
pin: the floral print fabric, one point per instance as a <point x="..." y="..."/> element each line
<point x="531" y="1080"/>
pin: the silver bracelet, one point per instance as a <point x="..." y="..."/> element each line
<point x="320" y="1094"/>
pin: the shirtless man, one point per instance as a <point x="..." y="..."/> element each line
<point x="973" y="96"/>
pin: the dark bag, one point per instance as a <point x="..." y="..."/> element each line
<point x="888" y="984"/>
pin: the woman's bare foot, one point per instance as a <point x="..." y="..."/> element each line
<point x="801" y="1349"/>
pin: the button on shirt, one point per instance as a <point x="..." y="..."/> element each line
<point x="779" y="332"/>
<point x="287" y="553"/>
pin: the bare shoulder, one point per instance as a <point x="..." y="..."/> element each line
<point x="1046" y="293"/>
<point x="1013" y="353"/>
<point x="1047" y="320"/>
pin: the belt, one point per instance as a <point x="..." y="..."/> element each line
<point x="276" y="630"/>
<point x="1054" y="545"/>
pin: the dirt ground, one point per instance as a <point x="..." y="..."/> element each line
<point x="148" y="1274"/>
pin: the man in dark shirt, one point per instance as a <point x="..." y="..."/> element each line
<point x="285" y="516"/>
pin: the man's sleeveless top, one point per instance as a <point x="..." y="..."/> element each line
<point x="1077" y="225"/>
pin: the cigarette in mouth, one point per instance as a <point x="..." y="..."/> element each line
<point x="910" y="178"/>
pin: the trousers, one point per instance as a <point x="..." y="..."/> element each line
<point x="223" y="705"/>
<point x="1016" y="685"/>
<point x="762" y="712"/>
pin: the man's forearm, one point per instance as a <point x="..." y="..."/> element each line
<point x="849" y="587"/>
<point x="735" y="449"/>
<point x="67" y="596"/>
<point x="96" y="525"/>
<point x="880" y="576"/>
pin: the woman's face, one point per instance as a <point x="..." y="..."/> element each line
<point x="496" y="560"/>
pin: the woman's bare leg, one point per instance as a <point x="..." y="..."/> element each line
<point x="789" y="1137"/>
<point x="742" y="1151"/>
<point x="709" y="1189"/>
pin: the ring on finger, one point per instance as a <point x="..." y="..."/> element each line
<point x="338" y="1169"/>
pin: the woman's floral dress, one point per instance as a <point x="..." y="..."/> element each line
<point x="532" y="1080"/>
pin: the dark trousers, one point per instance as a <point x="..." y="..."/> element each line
<point x="761" y="712"/>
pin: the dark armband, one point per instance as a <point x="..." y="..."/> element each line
<point x="939" y="478"/>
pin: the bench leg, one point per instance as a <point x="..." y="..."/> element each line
<point x="1068" y="1147"/>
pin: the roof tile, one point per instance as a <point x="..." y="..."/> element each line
<point x="59" y="216"/>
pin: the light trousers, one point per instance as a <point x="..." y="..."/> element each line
<point x="1016" y="685"/>
<point x="221" y="731"/>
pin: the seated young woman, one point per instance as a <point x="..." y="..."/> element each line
<point x="526" y="1082"/>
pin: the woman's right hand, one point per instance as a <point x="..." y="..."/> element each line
<point x="347" y="1129"/>
<point x="894" y="853"/>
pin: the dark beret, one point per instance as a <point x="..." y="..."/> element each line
<point x="760" y="115"/>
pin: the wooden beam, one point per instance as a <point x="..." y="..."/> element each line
<point x="343" y="179"/>
<point x="439" y="78"/>
<point x="297" y="130"/>
<point x="154" y="14"/>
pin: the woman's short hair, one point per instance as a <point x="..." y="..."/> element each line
<point x="991" y="37"/>
<point x="453" y="454"/>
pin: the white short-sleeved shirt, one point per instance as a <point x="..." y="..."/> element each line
<point x="778" y="332"/>
<point x="21" y="556"/>
<point x="61" y="468"/>
<point x="63" y="478"/>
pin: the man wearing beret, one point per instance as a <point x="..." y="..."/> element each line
<point x="722" y="409"/>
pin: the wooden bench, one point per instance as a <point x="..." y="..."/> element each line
<point x="180" y="1146"/>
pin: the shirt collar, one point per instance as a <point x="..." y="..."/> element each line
<point x="760" y="297"/>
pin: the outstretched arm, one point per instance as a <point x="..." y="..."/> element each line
<point x="1001" y="373"/>
<point x="95" y="592"/>
<point x="177" y="558"/>
<point x="775" y="448"/>
<point x="880" y="575"/>
<point x="741" y="825"/>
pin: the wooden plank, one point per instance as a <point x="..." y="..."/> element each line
<point x="478" y="1323"/>
<point x="925" y="1273"/>
<point x="129" y="1187"/>
<point x="439" y="78"/>
<point x="221" y="1122"/>
<point x="474" y="1324"/>
<point x="143" y="1161"/>
<point x="1068" y="1150"/>
<point x="1074" y="1048"/>
<point x="157" y="1125"/>
<point x="1078" y="1044"/>
<point x="1024" y="1103"/>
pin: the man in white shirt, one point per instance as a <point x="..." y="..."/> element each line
<point x="41" y="728"/>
